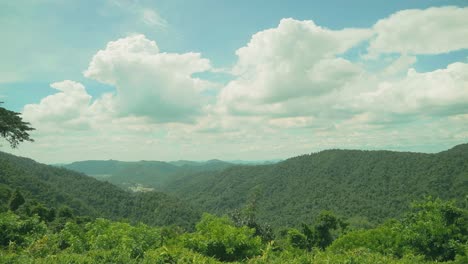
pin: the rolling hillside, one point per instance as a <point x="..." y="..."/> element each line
<point x="87" y="196"/>
<point x="366" y="186"/>
<point x="154" y="174"/>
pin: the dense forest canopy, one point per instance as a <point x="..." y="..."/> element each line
<point x="57" y="187"/>
<point x="434" y="231"/>
<point x="366" y="186"/>
<point x="335" y="205"/>
<point x="152" y="174"/>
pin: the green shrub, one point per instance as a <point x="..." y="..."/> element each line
<point x="165" y="255"/>
<point x="435" y="229"/>
<point x="218" y="237"/>
<point x="19" y="232"/>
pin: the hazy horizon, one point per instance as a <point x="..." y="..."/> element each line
<point x="244" y="161"/>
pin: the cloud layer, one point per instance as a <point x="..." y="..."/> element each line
<point x="429" y="31"/>
<point x="293" y="90"/>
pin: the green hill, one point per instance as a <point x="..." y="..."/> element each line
<point x="366" y="186"/>
<point x="154" y="174"/>
<point x="56" y="187"/>
<point x="97" y="167"/>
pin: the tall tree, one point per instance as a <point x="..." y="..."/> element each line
<point x="13" y="128"/>
<point x="16" y="200"/>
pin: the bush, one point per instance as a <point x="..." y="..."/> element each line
<point x="20" y="232"/>
<point x="165" y="255"/>
<point x="435" y="229"/>
<point x="218" y="237"/>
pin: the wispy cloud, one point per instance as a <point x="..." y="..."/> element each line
<point x="147" y="15"/>
<point x="152" y="18"/>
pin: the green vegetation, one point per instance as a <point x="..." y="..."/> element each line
<point x="154" y="174"/>
<point x="13" y="128"/>
<point x="366" y="187"/>
<point x="85" y="196"/>
<point x="434" y="231"/>
<point x="329" y="207"/>
<point x="220" y="238"/>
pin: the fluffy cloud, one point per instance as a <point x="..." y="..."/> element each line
<point x="295" y="60"/>
<point x="150" y="83"/>
<point x="441" y="92"/>
<point x="72" y="109"/>
<point x="151" y="87"/>
<point x="294" y="76"/>
<point x="65" y="107"/>
<point x="429" y="31"/>
<point x="399" y="66"/>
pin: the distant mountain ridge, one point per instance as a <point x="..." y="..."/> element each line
<point x="153" y="174"/>
<point x="95" y="167"/>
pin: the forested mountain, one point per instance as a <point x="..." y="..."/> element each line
<point x="155" y="174"/>
<point x="255" y="162"/>
<point x="213" y="163"/>
<point x="366" y="186"/>
<point x="359" y="184"/>
<point x="58" y="187"/>
<point x="96" y="167"/>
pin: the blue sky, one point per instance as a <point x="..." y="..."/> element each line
<point x="202" y="84"/>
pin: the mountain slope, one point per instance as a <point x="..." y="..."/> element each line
<point x="97" y="167"/>
<point x="87" y="196"/>
<point x="155" y="174"/>
<point x="373" y="184"/>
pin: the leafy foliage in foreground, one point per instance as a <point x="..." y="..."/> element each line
<point x="434" y="231"/>
<point x="219" y="238"/>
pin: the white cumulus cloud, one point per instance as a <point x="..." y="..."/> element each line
<point x="65" y="107"/>
<point x="151" y="83"/>
<point x="295" y="60"/>
<point x="441" y="92"/>
<point x="430" y="31"/>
